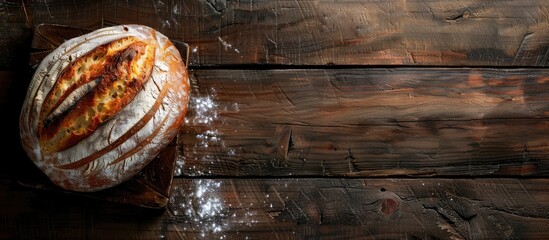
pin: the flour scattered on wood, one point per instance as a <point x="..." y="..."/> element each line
<point x="204" y="112"/>
<point x="201" y="207"/>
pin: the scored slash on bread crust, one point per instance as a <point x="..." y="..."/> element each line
<point x="122" y="73"/>
<point x="101" y="106"/>
<point x="140" y="124"/>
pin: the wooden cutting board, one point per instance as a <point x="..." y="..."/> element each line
<point x="150" y="188"/>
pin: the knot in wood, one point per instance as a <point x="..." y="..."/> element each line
<point x="389" y="206"/>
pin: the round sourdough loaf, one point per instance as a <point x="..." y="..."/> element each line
<point x="101" y="106"/>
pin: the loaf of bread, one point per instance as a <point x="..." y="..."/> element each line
<point x="101" y="106"/>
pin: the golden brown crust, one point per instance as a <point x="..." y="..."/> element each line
<point x="83" y="70"/>
<point x="140" y="124"/>
<point x="121" y="73"/>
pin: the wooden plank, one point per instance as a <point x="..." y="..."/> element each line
<point x="366" y="122"/>
<point x="15" y="35"/>
<point x="354" y="122"/>
<point x="423" y="32"/>
<point x="19" y="18"/>
<point x="352" y="32"/>
<point x="83" y="14"/>
<point x="293" y="209"/>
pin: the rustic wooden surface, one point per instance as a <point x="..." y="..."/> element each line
<point x="288" y="32"/>
<point x="367" y="119"/>
<point x="293" y="209"/>
<point x="367" y="122"/>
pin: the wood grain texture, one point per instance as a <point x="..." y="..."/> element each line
<point x="315" y="107"/>
<point x="15" y="35"/>
<point x="367" y="122"/>
<point x="18" y="18"/>
<point x="293" y="209"/>
<point x="424" y="32"/>
<point x="351" y="32"/>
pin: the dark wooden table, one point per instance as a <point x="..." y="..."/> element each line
<point x="367" y="119"/>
